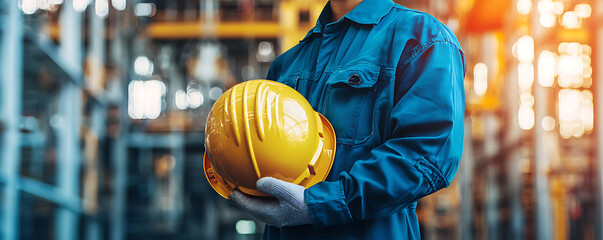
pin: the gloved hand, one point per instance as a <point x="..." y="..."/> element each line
<point x="288" y="209"/>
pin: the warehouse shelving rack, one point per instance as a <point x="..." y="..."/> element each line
<point x="25" y="51"/>
<point x="83" y="109"/>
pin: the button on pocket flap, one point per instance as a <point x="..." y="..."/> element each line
<point x="358" y="76"/>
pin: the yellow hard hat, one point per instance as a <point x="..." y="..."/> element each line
<point x="262" y="128"/>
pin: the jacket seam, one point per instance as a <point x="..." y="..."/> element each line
<point x="364" y="105"/>
<point x="421" y="49"/>
<point x="345" y="211"/>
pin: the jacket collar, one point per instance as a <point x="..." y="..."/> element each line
<point x="367" y="12"/>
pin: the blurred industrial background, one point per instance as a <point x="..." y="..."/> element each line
<point x="103" y="105"/>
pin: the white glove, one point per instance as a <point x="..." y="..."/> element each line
<point x="288" y="209"/>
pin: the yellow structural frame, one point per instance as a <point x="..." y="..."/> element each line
<point x="287" y="28"/>
<point x="193" y="29"/>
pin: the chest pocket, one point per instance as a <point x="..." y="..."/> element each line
<point x="350" y="102"/>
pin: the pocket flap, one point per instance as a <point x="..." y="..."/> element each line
<point x="356" y="76"/>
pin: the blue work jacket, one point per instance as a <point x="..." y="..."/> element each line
<point x="390" y="81"/>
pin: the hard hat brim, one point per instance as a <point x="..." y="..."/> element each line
<point x="214" y="179"/>
<point x="325" y="161"/>
<point x="220" y="185"/>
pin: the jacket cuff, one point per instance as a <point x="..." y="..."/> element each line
<point x="327" y="205"/>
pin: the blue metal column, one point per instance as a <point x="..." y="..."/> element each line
<point x="516" y="154"/>
<point x="491" y="147"/>
<point x="96" y="55"/>
<point x="542" y="209"/>
<point x="119" y="154"/>
<point x="69" y="159"/>
<point x="11" y="78"/>
<point x="70" y="112"/>
<point x="541" y="156"/>
<point x="465" y="178"/>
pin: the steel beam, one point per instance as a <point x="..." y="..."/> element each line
<point x="96" y="56"/>
<point x="119" y="144"/>
<point x="11" y="78"/>
<point x="465" y="178"/>
<point x="194" y="29"/>
<point x="70" y="113"/>
<point x="542" y="208"/>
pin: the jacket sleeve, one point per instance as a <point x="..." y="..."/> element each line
<point x="422" y="153"/>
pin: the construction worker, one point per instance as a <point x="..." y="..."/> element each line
<point x="390" y="81"/>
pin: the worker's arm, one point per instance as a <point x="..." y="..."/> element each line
<point x="423" y="150"/>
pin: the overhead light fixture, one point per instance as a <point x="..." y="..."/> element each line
<point x="101" y="8"/>
<point x="119" y="4"/>
<point x="144" y="9"/>
<point x="143" y="66"/>
<point x="145" y="99"/>
<point x="80" y="5"/>
<point x="29" y="6"/>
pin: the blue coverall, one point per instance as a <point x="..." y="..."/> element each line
<point x="390" y="81"/>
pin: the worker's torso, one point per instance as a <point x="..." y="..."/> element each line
<point x="347" y="71"/>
